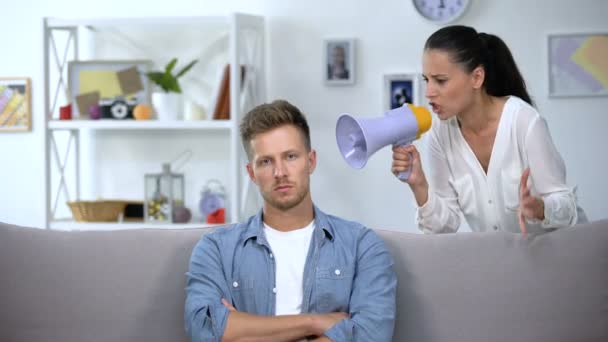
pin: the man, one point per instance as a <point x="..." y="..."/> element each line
<point x="291" y="272"/>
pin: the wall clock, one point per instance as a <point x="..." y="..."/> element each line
<point x="441" y="11"/>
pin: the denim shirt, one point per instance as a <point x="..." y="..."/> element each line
<point x="348" y="269"/>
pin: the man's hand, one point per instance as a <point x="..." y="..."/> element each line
<point x="320" y="323"/>
<point x="228" y="305"/>
<point x="323" y="322"/>
<point x="530" y="207"/>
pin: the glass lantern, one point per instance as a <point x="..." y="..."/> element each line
<point x="164" y="192"/>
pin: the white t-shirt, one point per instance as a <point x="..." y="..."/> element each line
<point x="459" y="185"/>
<point x="289" y="250"/>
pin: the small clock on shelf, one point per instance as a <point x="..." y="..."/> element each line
<point x="441" y="11"/>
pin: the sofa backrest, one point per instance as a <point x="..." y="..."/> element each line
<point x="125" y="285"/>
<point x="129" y="285"/>
<point x="501" y="286"/>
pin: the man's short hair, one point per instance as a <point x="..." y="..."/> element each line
<point x="269" y="116"/>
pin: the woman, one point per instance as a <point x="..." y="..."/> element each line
<point x="491" y="156"/>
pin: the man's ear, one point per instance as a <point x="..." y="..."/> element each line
<point x="478" y="76"/>
<point x="312" y="160"/>
<point x="250" y="173"/>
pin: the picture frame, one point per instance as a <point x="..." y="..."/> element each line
<point x="339" y="63"/>
<point x="576" y="64"/>
<point x="400" y="88"/>
<point x="101" y="75"/>
<point x="15" y="104"/>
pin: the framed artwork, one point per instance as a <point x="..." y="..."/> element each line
<point x="578" y="64"/>
<point x="93" y="81"/>
<point x="15" y="104"/>
<point x="339" y="66"/>
<point x="399" y="89"/>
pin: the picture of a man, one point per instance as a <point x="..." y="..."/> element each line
<point x="337" y="68"/>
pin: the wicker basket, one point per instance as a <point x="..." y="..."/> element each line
<point x="97" y="211"/>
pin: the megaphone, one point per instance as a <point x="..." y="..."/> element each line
<point x="359" y="138"/>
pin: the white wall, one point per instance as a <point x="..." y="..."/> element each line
<point x="390" y="37"/>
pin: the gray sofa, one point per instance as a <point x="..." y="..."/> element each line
<point x="129" y="285"/>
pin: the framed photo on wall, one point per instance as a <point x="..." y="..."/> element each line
<point x="578" y="64"/>
<point x="400" y="88"/>
<point x="15" y="104"/>
<point x="339" y="65"/>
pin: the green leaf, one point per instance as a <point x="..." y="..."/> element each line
<point x="167" y="78"/>
<point x="173" y="85"/>
<point x="171" y="65"/>
<point x="158" y="78"/>
<point x="155" y="76"/>
<point x="186" y="68"/>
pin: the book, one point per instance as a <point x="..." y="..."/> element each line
<point x="222" y="105"/>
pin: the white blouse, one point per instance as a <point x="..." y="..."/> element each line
<point x="489" y="202"/>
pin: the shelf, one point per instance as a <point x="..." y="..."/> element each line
<point x="136" y="125"/>
<point x="72" y="225"/>
<point x="136" y="21"/>
<point x="78" y="151"/>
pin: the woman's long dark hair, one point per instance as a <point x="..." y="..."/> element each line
<point x="471" y="49"/>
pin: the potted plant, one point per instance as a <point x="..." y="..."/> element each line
<point x="168" y="103"/>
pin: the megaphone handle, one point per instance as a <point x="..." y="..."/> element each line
<point x="405" y="174"/>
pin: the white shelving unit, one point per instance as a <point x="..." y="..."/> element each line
<point x="65" y="40"/>
<point x="217" y="125"/>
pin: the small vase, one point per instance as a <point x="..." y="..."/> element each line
<point x="168" y="106"/>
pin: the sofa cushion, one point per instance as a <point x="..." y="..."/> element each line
<point x="502" y="287"/>
<point x="105" y="286"/>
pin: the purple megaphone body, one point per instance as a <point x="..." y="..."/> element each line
<point x="359" y="138"/>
